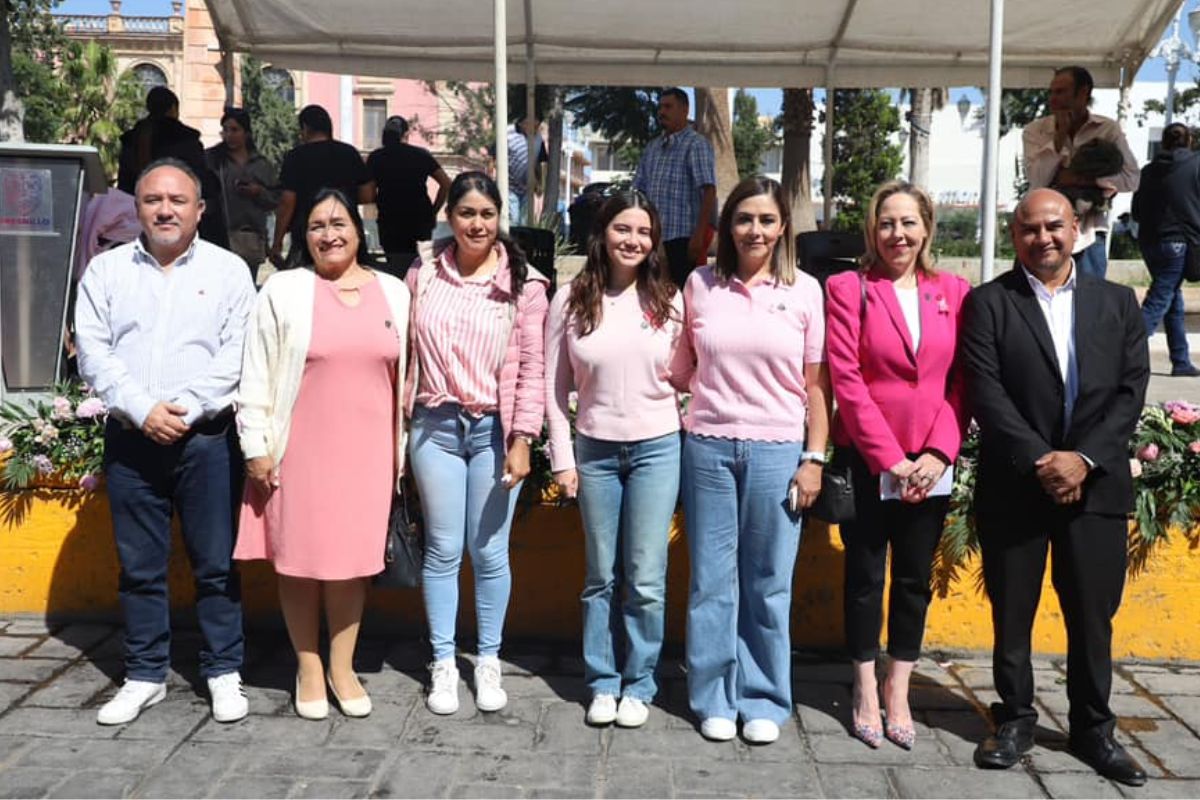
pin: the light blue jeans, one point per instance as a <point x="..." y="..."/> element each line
<point x="627" y="494"/>
<point x="742" y="538"/>
<point x="457" y="461"/>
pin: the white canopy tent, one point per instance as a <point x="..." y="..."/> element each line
<point x="830" y="43"/>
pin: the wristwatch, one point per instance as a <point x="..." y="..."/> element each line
<point x="815" y="456"/>
<point x="523" y="437"/>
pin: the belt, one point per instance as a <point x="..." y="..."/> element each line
<point x="206" y="427"/>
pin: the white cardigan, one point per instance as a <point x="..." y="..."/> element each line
<point x="275" y="353"/>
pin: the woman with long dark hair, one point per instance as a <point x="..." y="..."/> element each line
<point x="610" y="336"/>
<point x="321" y="432"/>
<point x="249" y="187"/>
<point x="476" y="396"/>
<point x="753" y="345"/>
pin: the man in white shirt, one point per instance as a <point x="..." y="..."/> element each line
<point x="1050" y="143"/>
<point x="159" y="329"/>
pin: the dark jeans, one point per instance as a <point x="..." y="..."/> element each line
<point x="1093" y="260"/>
<point x="913" y="532"/>
<point x="1088" y="574"/>
<point x="1164" y="298"/>
<point x="199" y="476"/>
<point x="680" y="264"/>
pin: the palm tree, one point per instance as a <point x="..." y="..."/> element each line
<point x="796" y="174"/>
<point x="925" y="101"/>
<point x="99" y="103"/>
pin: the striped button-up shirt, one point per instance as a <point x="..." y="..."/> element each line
<point x="461" y="332"/>
<point x="673" y="171"/>
<point x="147" y="335"/>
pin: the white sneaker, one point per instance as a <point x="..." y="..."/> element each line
<point x="760" y="731"/>
<point x="603" y="710"/>
<point x="632" y="713"/>
<point x="489" y="696"/>
<point x="129" y="702"/>
<point x="718" y="729"/>
<point x="443" y="693"/>
<point x="229" y="703"/>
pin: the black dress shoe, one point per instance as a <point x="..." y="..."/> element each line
<point x="1004" y="747"/>
<point x="1190" y="371"/>
<point x="1110" y="759"/>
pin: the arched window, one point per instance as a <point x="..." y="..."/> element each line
<point x="150" y="76"/>
<point x="280" y="81"/>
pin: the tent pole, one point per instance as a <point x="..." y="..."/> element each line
<point x="530" y="116"/>
<point x="992" y="141"/>
<point x="500" y="85"/>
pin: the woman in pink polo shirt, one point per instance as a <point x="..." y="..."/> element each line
<point x="754" y="340"/>
<point x="893" y="344"/>
<point x="610" y="336"/>
<point x="477" y="399"/>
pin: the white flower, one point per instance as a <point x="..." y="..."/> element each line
<point x="5" y="444"/>
<point x="1135" y="467"/>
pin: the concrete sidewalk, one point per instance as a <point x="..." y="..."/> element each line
<point x="53" y="680"/>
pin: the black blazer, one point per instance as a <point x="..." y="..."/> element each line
<point x="1016" y="392"/>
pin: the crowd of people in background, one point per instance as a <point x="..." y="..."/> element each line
<point x="279" y="425"/>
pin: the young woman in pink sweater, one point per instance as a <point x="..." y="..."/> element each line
<point x="610" y="336"/>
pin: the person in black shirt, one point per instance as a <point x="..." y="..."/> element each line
<point x="318" y="162"/>
<point x="401" y="172"/>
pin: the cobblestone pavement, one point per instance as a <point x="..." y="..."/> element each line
<point x="52" y="680"/>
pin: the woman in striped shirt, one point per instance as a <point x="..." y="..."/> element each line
<point x="477" y="400"/>
<point x="610" y="336"/>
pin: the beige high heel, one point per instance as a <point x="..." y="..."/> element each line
<point x="310" y="709"/>
<point x="355" y="706"/>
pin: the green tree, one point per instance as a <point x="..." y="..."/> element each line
<point x="751" y="139"/>
<point x="31" y="41"/>
<point x="864" y="151"/>
<point x="1019" y="107"/>
<point x="626" y="116"/>
<point x="471" y="107"/>
<point x="97" y="102"/>
<point x="273" y="119"/>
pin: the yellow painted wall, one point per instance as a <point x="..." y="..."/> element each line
<point x="57" y="557"/>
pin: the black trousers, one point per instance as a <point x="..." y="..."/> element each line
<point x="677" y="259"/>
<point x="913" y="532"/>
<point x="1088" y="574"/>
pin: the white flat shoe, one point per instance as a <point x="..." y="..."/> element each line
<point x="355" y="706"/>
<point x="310" y="709"/>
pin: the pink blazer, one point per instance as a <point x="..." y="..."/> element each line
<point x="892" y="401"/>
<point x="522" y="379"/>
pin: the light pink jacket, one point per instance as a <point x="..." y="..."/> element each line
<point x="522" y="379"/>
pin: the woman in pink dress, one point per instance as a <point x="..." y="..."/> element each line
<point x="319" y="428"/>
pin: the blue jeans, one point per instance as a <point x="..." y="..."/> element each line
<point x="627" y="494"/>
<point x="1164" y="298"/>
<point x="742" y="539"/>
<point x="1093" y="259"/>
<point x="516" y="207"/>
<point x="199" y="476"/>
<point x="457" y="461"/>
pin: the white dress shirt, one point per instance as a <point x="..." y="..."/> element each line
<point x="910" y="306"/>
<point x="1058" y="307"/>
<point x="146" y="335"/>
<point x="1042" y="161"/>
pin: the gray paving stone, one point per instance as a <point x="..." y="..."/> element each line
<point x="845" y="749"/>
<point x="28" y="781"/>
<point x="823" y="672"/>
<point x="1056" y="759"/>
<point x="562" y="730"/>
<point x="1069" y="787"/>
<point x="691" y="776"/>
<point x="385" y="726"/>
<point x="542" y="773"/>
<point x="823" y="708"/>
<point x="1123" y="705"/>
<point x="656" y="740"/>
<point x="419" y="773"/>
<point x="78" y="684"/>
<point x="10" y="693"/>
<point x="56" y="722"/>
<point x="962" y="782"/>
<point x="939" y="698"/>
<point x="1165" y="788"/>
<point x="70" y="754"/>
<point x="15" y="645"/>
<point x="189" y="771"/>
<point x="325" y="788"/>
<point x="266" y="700"/>
<point x="853" y="781"/>
<point x="512" y="730"/>
<point x="252" y="786"/>
<point x="791" y="747"/>
<point x="257" y="730"/>
<point x="485" y="790"/>
<point x="393" y="683"/>
<point x="72" y="641"/>
<point x="555" y="792"/>
<point x="308" y="762"/>
<point x="11" y="747"/>
<point x="28" y="626"/>
<point x="548" y="688"/>
<point x="97" y="783"/>
<point x="958" y="732"/>
<point x="171" y="720"/>
<point x="1186" y="707"/>
<point x="1174" y="745"/>
<point x="1169" y="682"/>
<point x="629" y="776"/>
<point x="28" y="670"/>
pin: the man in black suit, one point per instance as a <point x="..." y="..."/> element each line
<point x="1057" y="367"/>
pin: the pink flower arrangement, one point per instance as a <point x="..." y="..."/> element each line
<point x="5" y="444"/>
<point x="1148" y="452"/>
<point x="62" y="411"/>
<point x="1182" y="412"/>
<point x="89" y="482"/>
<point x="91" y="408"/>
<point x="43" y="464"/>
<point x="1195" y="447"/>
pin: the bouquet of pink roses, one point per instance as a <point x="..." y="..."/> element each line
<point x="62" y="438"/>
<point x="1166" y="469"/>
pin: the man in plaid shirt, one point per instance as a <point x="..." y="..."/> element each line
<point x="677" y="174"/>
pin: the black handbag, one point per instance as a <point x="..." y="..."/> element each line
<point x="835" y="503"/>
<point x="404" y="550"/>
<point x="1191" y="263"/>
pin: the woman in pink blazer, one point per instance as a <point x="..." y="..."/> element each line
<point x="892" y="342"/>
